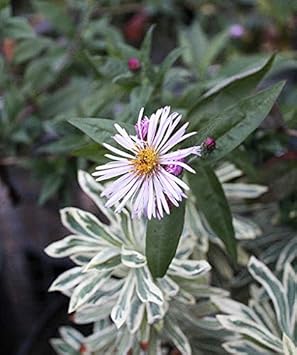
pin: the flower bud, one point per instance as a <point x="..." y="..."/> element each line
<point x="209" y="144"/>
<point x="142" y="128"/>
<point x="134" y="64"/>
<point x="144" y="345"/>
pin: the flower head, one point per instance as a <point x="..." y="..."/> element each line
<point x="142" y="169"/>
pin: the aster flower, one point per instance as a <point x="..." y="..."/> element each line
<point x="147" y="168"/>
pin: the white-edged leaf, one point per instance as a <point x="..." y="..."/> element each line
<point x="289" y="346"/>
<point x="72" y="337"/>
<point x="61" y="347"/>
<point x="146" y="289"/>
<point x="102" y="338"/>
<point x="93" y="189"/>
<point x="125" y="342"/>
<point x="185" y="297"/>
<point x="93" y="313"/>
<point x="244" y="347"/>
<point x="251" y="329"/>
<point x="275" y="290"/>
<point x="82" y="259"/>
<point x="119" y="313"/>
<point x="168" y="286"/>
<point x="71" y="245"/>
<point x="135" y="315"/>
<point x="85" y="223"/>
<point x="132" y="258"/>
<point x="290" y="284"/>
<point x="288" y="254"/>
<point x="227" y="172"/>
<point x="107" y="292"/>
<point x="178" y="338"/>
<point x="243" y="191"/>
<point x="189" y="269"/>
<point x="232" y="307"/>
<point x="102" y="257"/>
<point x="67" y="280"/>
<point x="155" y="312"/>
<point x="245" y="228"/>
<point x="86" y="289"/>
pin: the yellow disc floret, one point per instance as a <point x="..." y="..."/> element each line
<point x="146" y="161"/>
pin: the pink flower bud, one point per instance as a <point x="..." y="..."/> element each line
<point x="134" y="64"/>
<point x="142" y="128"/>
<point x="209" y="144"/>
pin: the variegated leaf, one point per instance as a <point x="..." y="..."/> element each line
<point x="289" y="346"/>
<point x="72" y="337"/>
<point x="132" y="258"/>
<point x="67" y="280"/>
<point x="86" y="289"/>
<point x="102" y="339"/>
<point x="245" y="347"/>
<point x="275" y="290"/>
<point x="61" y="347"/>
<point x="71" y="245"/>
<point x="288" y="254"/>
<point x="243" y="191"/>
<point x="108" y="291"/>
<point x="93" y="313"/>
<point x="178" y="338"/>
<point x="189" y="269"/>
<point x="245" y="229"/>
<point x="120" y="311"/>
<point x="146" y="289"/>
<point x="135" y="315"/>
<point x="93" y="189"/>
<point x="185" y="297"/>
<point x="103" y="258"/>
<point x="251" y="329"/>
<point x="155" y="311"/>
<point x="227" y="172"/>
<point x="125" y="342"/>
<point x="168" y="286"/>
<point x="233" y="307"/>
<point x="290" y="284"/>
<point x="85" y="223"/>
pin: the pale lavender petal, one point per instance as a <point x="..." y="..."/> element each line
<point x="118" y="151"/>
<point x="174" y="141"/>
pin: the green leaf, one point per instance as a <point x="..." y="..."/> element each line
<point x="162" y="237"/>
<point x="56" y="13"/>
<point x="233" y="125"/>
<point x="18" y="28"/>
<point x="100" y="130"/>
<point x="227" y="93"/>
<point x="211" y="200"/>
<point x="30" y="48"/>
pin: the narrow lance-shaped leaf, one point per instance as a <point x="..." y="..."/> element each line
<point x="100" y="130"/>
<point x="212" y="202"/>
<point x="232" y="126"/>
<point x="226" y="93"/>
<point x="162" y="237"/>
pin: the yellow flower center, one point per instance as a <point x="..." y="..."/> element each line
<point x="146" y="161"/>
